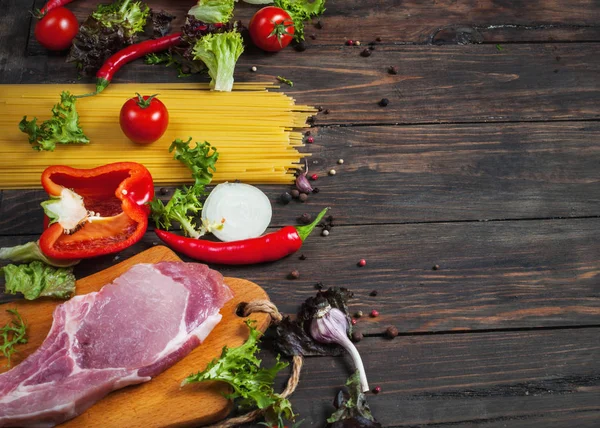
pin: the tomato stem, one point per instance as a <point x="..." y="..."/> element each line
<point x="144" y="103"/>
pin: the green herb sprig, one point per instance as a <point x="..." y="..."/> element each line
<point x="13" y="333"/>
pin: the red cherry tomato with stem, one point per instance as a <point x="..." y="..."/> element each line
<point x="57" y="29"/>
<point x="144" y="119"/>
<point x="271" y="29"/>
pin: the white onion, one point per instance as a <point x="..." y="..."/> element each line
<point x="245" y="208"/>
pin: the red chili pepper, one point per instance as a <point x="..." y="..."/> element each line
<point x="53" y="4"/>
<point x="130" y="53"/>
<point x="116" y="194"/>
<point x="138" y="50"/>
<point x="266" y="248"/>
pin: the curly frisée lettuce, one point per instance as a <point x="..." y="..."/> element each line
<point x="252" y="384"/>
<point x="300" y="11"/>
<point x="220" y="52"/>
<point x="63" y="127"/>
<point x="129" y="15"/>
<point x="213" y="11"/>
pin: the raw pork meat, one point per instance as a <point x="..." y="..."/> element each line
<point x="134" y="328"/>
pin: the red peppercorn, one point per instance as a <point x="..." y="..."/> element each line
<point x="310" y="140"/>
<point x="362" y="262"/>
<point x="353" y="321"/>
<point x="314" y="177"/>
<point x="377" y="390"/>
<point x="374" y="313"/>
<point x="349" y="43"/>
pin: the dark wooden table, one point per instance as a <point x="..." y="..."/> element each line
<point x="474" y="197"/>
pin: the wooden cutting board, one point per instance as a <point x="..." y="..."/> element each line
<point x="160" y="402"/>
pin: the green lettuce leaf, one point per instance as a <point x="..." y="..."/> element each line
<point x="199" y="159"/>
<point x="63" y="127"/>
<point x="37" y="279"/>
<point x="30" y="252"/>
<point x="252" y="384"/>
<point x="220" y="52"/>
<point x="183" y="207"/>
<point x="213" y="11"/>
<point x="128" y="15"/>
<point x="300" y="11"/>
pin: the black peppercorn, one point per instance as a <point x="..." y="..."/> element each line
<point x="303" y="197"/>
<point x="357" y="336"/>
<point x="294" y="274"/>
<point x="326" y="111"/>
<point x="366" y="52"/>
<point x="316" y="190"/>
<point x="373" y="293"/>
<point x="392" y="69"/>
<point x="305" y="218"/>
<point x="319" y="25"/>
<point x="285" y="198"/>
<point x="300" y="46"/>
<point x="384" y="102"/>
<point x="391" y="332"/>
<point x="295" y="193"/>
<point x="164" y="191"/>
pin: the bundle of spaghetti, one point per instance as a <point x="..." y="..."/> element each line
<point x="256" y="132"/>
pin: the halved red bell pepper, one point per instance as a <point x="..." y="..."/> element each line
<point x="95" y="211"/>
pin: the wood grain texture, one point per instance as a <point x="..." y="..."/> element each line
<point x="434" y="84"/>
<point x="161" y="401"/>
<point x="491" y="275"/>
<point x="498" y="379"/>
<point x="425" y="22"/>
<point x="424" y="174"/>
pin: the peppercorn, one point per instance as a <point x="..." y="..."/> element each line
<point x="373" y="293"/>
<point x="362" y="262"/>
<point x="314" y="177"/>
<point x="305" y="218"/>
<point x="294" y="274"/>
<point x="326" y="111"/>
<point x="253" y="68"/>
<point x="332" y="172"/>
<point x="353" y="321"/>
<point x="316" y="190"/>
<point x="435" y="267"/>
<point x="285" y="198"/>
<point x="357" y="336"/>
<point x="384" y="102"/>
<point x="303" y="197"/>
<point x="302" y="257"/>
<point x="310" y="140"/>
<point x="349" y="43"/>
<point x="313" y="36"/>
<point x="325" y="232"/>
<point x="391" y="332"/>
<point x="392" y="69"/>
<point x="358" y="314"/>
<point x="377" y="390"/>
<point x="357" y="43"/>
<point x="295" y="193"/>
<point x="378" y="39"/>
<point x="374" y="313"/>
<point x="307" y="133"/>
<point x="300" y="46"/>
<point x="320" y="108"/>
<point x="319" y="25"/>
<point x="340" y="161"/>
<point x="164" y="191"/>
<point x="366" y="52"/>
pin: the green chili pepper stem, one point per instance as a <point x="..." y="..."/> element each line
<point x="304" y="231"/>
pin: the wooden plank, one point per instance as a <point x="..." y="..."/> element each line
<point x="14" y="33"/>
<point x="425" y="174"/>
<point x="490" y="275"/>
<point x="524" y="379"/>
<point x="162" y="401"/>
<point x="434" y="84"/>
<point x="430" y="22"/>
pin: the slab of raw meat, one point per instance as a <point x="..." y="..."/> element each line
<point x="134" y="328"/>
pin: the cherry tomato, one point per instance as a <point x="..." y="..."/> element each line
<point x="144" y="119"/>
<point x="271" y="29"/>
<point x="57" y="29"/>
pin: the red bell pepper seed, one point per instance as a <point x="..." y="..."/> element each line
<point x="374" y="313"/>
<point x="362" y="262"/>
